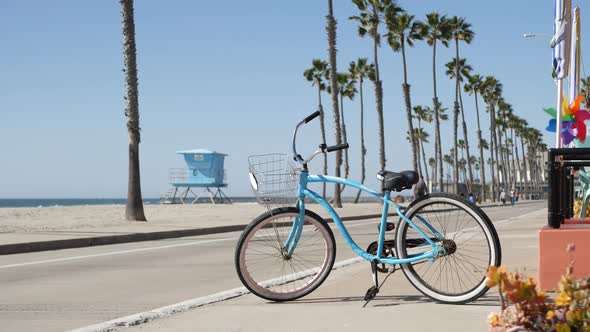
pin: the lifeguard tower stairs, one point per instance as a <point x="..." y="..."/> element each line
<point x="204" y="171"/>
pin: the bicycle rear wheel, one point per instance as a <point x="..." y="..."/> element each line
<point x="266" y="269"/>
<point x="470" y="241"/>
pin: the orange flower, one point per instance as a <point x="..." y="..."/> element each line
<point x="562" y="299"/>
<point x="550" y="315"/>
<point x="494" y="319"/>
<point x="494" y="275"/>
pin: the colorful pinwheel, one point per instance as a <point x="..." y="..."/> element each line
<point x="572" y="121"/>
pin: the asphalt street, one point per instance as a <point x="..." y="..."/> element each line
<point x="68" y="289"/>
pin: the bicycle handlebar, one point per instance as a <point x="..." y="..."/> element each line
<point x="322" y="148"/>
<point x="335" y="147"/>
<point x="312" y="116"/>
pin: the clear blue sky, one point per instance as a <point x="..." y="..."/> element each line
<point x="226" y="76"/>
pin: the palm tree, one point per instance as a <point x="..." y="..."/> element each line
<point x="491" y="92"/>
<point x="512" y="124"/>
<point x="474" y="87"/>
<point x="402" y="31"/>
<point x="420" y="136"/>
<point x="371" y="14"/>
<point x="442" y="116"/>
<point x="449" y="159"/>
<point x="522" y="133"/>
<point x="432" y="163"/>
<point x="460" y="70"/>
<point x="483" y="145"/>
<point x="436" y="28"/>
<point x="331" y="29"/>
<point x="461" y="145"/>
<point x="501" y="123"/>
<point x="134" y="207"/>
<point x="423" y="114"/>
<point x="460" y="31"/>
<point x="359" y="71"/>
<point x="474" y="162"/>
<point x="315" y="75"/>
<point x="346" y="89"/>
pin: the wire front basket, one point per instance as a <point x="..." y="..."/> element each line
<point x="274" y="179"/>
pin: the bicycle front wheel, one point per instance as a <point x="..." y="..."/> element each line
<point x="470" y="243"/>
<point x="264" y="265"/>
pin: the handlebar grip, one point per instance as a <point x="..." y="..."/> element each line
<point x="337" y="147"/>
<point x="312" y="116"/>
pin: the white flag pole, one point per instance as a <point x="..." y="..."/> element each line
<point x="561" y="41"/>
<point x="574" y="56"/>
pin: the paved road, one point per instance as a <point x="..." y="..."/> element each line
<point x="61" y="290"/>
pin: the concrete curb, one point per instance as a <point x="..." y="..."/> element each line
<point x="20" y="248"/>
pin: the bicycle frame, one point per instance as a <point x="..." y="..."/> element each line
<point x="303" y="191"/>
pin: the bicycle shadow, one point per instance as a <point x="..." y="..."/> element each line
<point x="390" y="300"/>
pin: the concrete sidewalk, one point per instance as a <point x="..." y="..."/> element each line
<point x="337" y="304"/>
<point x="218" y="219"/>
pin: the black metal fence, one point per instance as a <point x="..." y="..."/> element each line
<point x="560" y="167"/>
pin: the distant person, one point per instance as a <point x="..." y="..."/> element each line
<point x="420" y="188"/>
<point x="511" y="197"/>
<point x="471" y="198"/>
<point x="516" y="195"/>
<point x="503" y="197"/>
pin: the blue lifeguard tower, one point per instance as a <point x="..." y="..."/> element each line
<point x="204" y="169"/>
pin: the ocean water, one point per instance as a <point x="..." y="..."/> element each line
<point x="46" y="202"/>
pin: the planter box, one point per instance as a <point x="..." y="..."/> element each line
<point x="553" y="258"/>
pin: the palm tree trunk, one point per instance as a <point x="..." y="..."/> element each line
<point x="436" y="119"/>
<point x="420" y="171"/>
<point x="500" y="151"/>
<point x="524" y="165"/>
<point x="406" y="90"/>
<point x="518" y="167"/>
<point x="504" y="156"/>
<point x="469" y="165"/>
<point x="456" y="155"/>
<point x="456" y="119"/>
<point x="323" y="129"/>
<point x="134" y="207"/>
<point x="507" y="156"/>
<point x="435" y="171"/>
<point x="423" y="153"/>
<point x="493" y="153"/>
<point x="331" y="30"/>
<point x="481" y="160"/>
<point x="344" y="137"/>
<point x="496" y="148"/>
<point x="513" y="158"/>
<point x="363" y="149"/>
<point x="379" y="99"/>
<point x="344" y="140"/>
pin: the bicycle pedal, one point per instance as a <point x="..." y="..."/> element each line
<point x="389" y="226"/>
<point x="371" y="293"/>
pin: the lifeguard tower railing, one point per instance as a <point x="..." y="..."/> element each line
<point x="182" y="189"/>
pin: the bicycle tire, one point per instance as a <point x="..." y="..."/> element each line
<point x="466" y="252"/>
<point x="300" y="276"/>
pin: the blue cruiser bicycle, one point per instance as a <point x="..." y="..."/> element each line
<point x="443" y="243"/>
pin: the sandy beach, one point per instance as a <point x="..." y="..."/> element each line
<point x="98" y="216"/>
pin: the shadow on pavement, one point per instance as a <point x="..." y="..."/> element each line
<point x="387" y="301"/>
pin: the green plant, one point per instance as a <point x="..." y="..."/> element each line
<point x="524" y="308"/>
